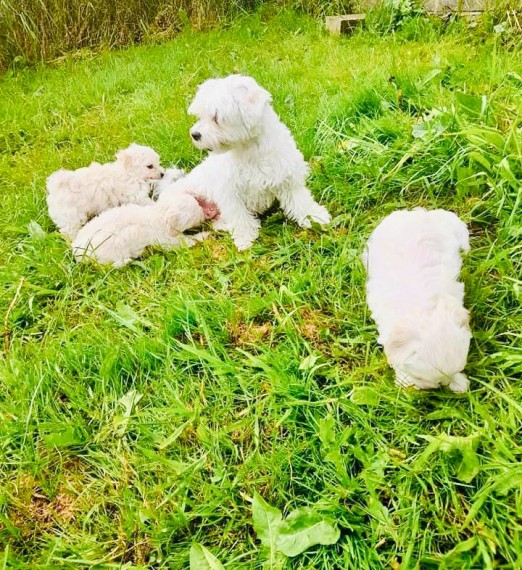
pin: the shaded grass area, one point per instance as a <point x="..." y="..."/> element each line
<point x="141" y="409"/>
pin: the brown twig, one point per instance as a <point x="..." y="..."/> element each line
<point x="6" y="332"/>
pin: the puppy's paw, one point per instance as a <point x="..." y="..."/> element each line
<point x="243" y="243"/>
<point x="200" y="236"/>
<point x="220" y="225"/>
<point x="459" y="383"/>
<point x="319" y="214"/>
<point x="403" y="380"/>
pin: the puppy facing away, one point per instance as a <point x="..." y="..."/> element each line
<point x="413" y="262"/>
<point x="253" y="159"/>
<point x="76" y="196"/>
<point x="121" y="234"/>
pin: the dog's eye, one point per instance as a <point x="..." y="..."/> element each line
<point x="150" y="166"/>
<point x="215" y="118"/>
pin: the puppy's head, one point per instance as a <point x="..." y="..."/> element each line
<point x="182" y="212"/>
<point x="230" y="112"/>
<point x="433" y="347"/>
<point x="141" y="162"/>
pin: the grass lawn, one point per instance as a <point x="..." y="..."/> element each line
<point x="142" y="409"/>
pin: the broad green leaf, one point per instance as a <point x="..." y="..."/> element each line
<point x="35" y="230"/>
<point x="380" y="513"/>
<point x="509" y="480"/>
<point x="474" y="105"/>
<point x="466" y="446"/>
<point x="267" y="520"/>
<point x="66" y="438"/>
<point x="308" y="362"/>
<point x="129" y="400"/>
<point x="420" y="130"/>
<point x="327" y="431"/>
<point x="485" y="136"/>
<point x="365" y="396"/>
<point x="304" y="528"/>
<point x="480" y="158"/>
<point x="203" y="559"/>
<point x="470" y="464"/>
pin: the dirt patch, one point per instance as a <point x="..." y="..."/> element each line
<point x="243" y="334"/>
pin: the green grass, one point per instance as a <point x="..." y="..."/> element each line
<point x="141" y="409"/>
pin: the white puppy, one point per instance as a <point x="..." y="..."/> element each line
<point x="75" y="196"/>
<point x="413" y="262"/>
<point x="121" y="234"/>
<point x="253" y="159"/>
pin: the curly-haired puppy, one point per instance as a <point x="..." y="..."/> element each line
<point x="76" y="196"/>
<point x="121" y="234"/>
<point x="253" y="159"/>
<point x="413" y="261"/>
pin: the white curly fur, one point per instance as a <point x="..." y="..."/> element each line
<point x="413" y="261"/>
<point x="253" y="159"/>
<point x="75" y="196"/>
<point x="121" y="234"/>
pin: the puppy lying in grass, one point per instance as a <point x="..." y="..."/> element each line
<point x="121" y="234"/>
<point x="76" y="196"/>
<point x="413" y="261"/>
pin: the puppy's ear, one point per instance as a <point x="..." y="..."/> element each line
<point x="452" y="306"/>
<point x="250" y="92"/>
<point x="124" y="157"/>
<point x="397" y="341"/>
<point x="175" y="224"/>
<point x="461" y="317"/>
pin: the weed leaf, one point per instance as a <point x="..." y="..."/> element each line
<point x="302" y="529"/>
<point x="365" y="396"/>
<point x="267" y="521"/>
<point x="202" y="559"/>
<point x="466" y="446"/>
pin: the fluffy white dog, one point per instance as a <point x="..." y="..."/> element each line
<point x="413" y="261"/>
<point x="75" y="196"/>
<point x="121" y="234"/>
<point x="253" y="159"/>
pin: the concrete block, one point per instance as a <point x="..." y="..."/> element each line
<point x="344" y="24"/>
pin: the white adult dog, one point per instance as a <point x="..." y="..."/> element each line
<point x="121" y="234"/>
<point x="253" y="159"/>
<point x="75" y="196"/>
<point x="413" y="261"/>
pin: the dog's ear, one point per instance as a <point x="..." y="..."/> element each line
<point x="175" y="224"/>
<point x="124" y="157"/>
<point x="452" y="306"/>
<point x="397" y="340"/>
<point x="250" y="92"/>
<point x="461" y="316"/>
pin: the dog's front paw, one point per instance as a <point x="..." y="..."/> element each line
<point x="319" y="215"/>
<point x="242" y="243"/>
<point x="459" y="383"/>
<point x="220" y="225"/>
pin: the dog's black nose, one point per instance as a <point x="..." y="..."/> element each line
<point x="196" y="136"/>
<point x="162" y="174"/>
